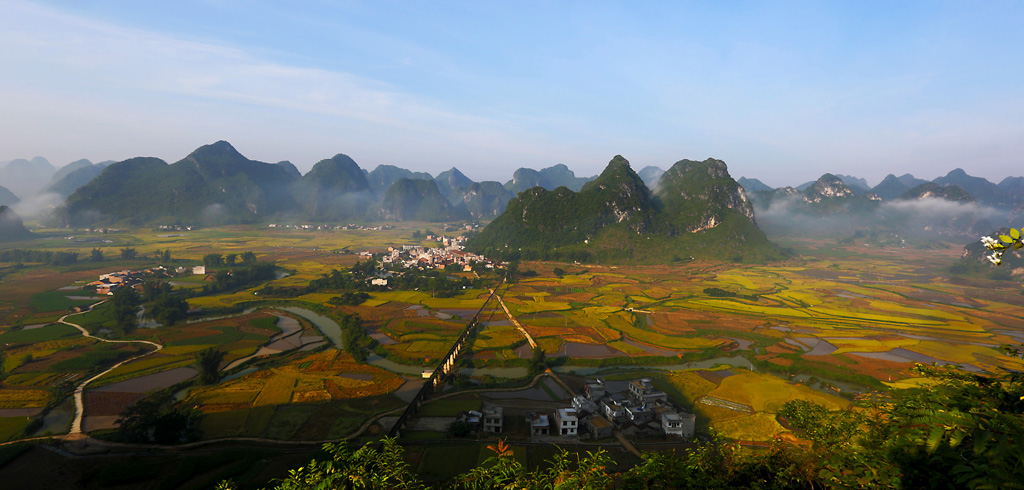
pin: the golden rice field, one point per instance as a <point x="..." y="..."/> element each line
<point x="852" y="300"/>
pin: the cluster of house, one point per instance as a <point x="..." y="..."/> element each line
<point x="487" y="419"/>
<point x="177" y="227"/>
<point x="108" y="283"/>
<point x="415" y="256"/>
<point x="332" y="227"/>
<point x="641" y="410"/>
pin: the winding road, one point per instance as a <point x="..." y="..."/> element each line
<point x="76" y="425"/>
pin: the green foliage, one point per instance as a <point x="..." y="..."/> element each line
<point x="155" y="419"/>
<point x="1009" y="242"/>
<point x="697" y="212"/>
<point x="126" y="303"/>
<point x="538" y="362"/>
<point x="128" y="253"/>
<point x="47" y="257"/>
<point x="96" y="255"/>
<point x="355" y="338"/>
<point x="208" y="362"/>
<point x="349" y="298"/>
<point x="213" y="260"/>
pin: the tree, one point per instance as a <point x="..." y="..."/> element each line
<point x="128" y="253"/>
<point x="96" y="255"/>
<point x="155" y="419"/>
<point x="559" y="271"/>
<point x="165" y="257"/>
<point x="229" y="259"/>
<point x="126" y="307"/>
<point x="208" y="361"/>
<point x="169" y="308"/>
<point x="537" y="363"/>
<point x="213" y="260"/>
<point x="248" y="258"/>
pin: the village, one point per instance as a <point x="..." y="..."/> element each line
<point x="110" y="282"/>
<point x="636" y="409"/>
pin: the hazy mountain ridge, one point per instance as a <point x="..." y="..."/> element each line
<point x="218" y="184"/>
<point x="11" y="226"/>
<point x="417" y="200"/>
<point x="64" y="183"/>
<point x="549" y="178"/>
<point x="7" y="198"/>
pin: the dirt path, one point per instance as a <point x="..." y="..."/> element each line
<point x="516" y="322"/>
<point x="76" y="425"/>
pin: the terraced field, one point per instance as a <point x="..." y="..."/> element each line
<point x="852" y="318"/>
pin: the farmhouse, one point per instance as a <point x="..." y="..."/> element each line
<point x="567" y="421"/>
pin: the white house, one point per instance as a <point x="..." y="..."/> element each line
<point x="199" y="269"/>
<point x="492" y="419"/>
<point x="678" y="424"/>
<point x="566" y="421"/>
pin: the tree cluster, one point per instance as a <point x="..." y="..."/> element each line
<point x="47" y="257"/>
<point x="125" y="306"/>
<point x="155" y="419"/>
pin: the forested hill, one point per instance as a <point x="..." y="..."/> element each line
<point x="11" y="227"/>
<point x="214" y="183"/>
<point x="699" y="211"/>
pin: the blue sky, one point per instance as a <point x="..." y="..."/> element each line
<point x="782" y="91"/>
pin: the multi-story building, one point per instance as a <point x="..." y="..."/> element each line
<point x="566" y="421"/>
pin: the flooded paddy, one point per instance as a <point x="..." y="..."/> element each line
<point x="900" y="354"/>
<point x="463" y="314"/>
<point x="819" y="347"/>
<point x="408" y="391"/>
<point x="382" y="338"/>
<point x="593" y="351"/>
<point x="150" y="382"/>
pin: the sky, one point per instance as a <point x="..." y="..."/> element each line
<point x="781" y="91"/>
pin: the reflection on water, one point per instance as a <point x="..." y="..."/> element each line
<point x="395" y="367"/>
<point x="58" y="419"/>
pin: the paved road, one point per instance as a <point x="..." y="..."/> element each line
<point x="76" y="425"/>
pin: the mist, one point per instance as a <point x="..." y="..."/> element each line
<point x="929" y="218"/>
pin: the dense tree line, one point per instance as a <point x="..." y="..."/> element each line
<point x="358" y="278"/>
<point x="354" y="336"/>
<point x="225" y="280"/>
<point x="155" y="419"/>
<point x="47" y="257"/>
<point x="125" y="306"/>
<point x="168" y="307"/>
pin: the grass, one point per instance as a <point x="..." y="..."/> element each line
<point x="448" y="461"/>
<point x="57" y="300"/>
<point x="12" y="427"/>
<point x="286" y="421"/>
<point x="448" y="407"/>
<point x="760" y="426"/>
<point x="41" y="334"/>
<point x="767" y="393"/>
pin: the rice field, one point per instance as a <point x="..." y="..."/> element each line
<point x="861" y="302"/>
